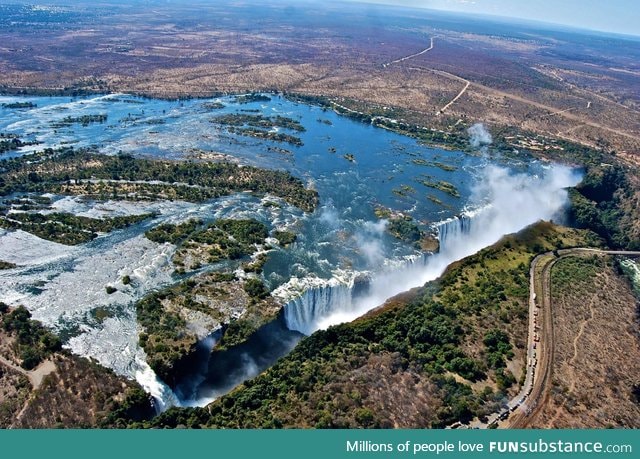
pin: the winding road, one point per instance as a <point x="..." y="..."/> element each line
<point x="523" y="409"/>
<point x="35" y="377"/>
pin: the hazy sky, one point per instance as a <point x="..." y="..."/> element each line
<point x="620" y="16"/>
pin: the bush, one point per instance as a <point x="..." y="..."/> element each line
<point x="255" y="288"/>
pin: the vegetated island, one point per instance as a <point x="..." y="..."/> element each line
<point x="82" y="172"/>
<point x="11" y="142"/>
<point x="261" y="127"/>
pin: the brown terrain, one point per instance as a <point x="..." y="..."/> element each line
<point x="588" y="372"/>
<point x="412" y="63"/>
<point x="62" y="391"/>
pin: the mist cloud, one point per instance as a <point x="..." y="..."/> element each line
<point x="507" y="202"/>
<point x="479" y="135"/>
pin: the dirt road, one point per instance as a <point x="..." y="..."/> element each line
<point x="36" y="375"/>
<point x="409" y="56"/>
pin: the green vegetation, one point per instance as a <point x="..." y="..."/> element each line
<point x="255" y="288"/>
<point x="387" y="119"/>
<point x="571" y="274"/>
<point x="66" y="228"/>
<point x="34" y="343"/>
<point x="258" y="121"/>
<point x="134" y="407"/>
<point x="425" y="337"/>
<point x="7" y="265"/>
<point x="282" y="151"/>
<point x="266" y="135"/>
<point x="123" y="177"/>
<point x="10" y="142"/>
<point x="164" y="339"/>
<point x="19" y="105"/>
<point x="498" y="351"/>
<point x="253" y="97"/>
<point x="223" y="239"/>
<point x="443" y="166"/>
<point x="213" y="105"/>
<point x="441" y="185"/>
<point x="110" y="289"/>
<point x="171" y="233"/>
<point x="227" y="239"/>
<point x="244" y="231"/>
<point x="285" y="237"/>
<point x="210" y="299"/>
<point x="404" y="190"/>
<point x="434" y="199"/>
<point x="405" y="229"/>
<point x="605" y="203"/>
<point x="259" y="126"/>
<point x="84" y="120"/>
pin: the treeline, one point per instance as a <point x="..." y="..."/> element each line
<point x="258" y="121"/>
<point x="84" y="120"/>
<point x="606" y="203"/>
<point x="66" y="228"/>
<point x="11" y="142"/>
<point x="266" y="135"/>
<point x="455" y="139"/>
<point x="406" y="229"/>
<point x="253" y="97"/>
<point x="71" y="171"/>
<point x="164" y="337"/>
<point x="19" y="105"/>
<point x="34" y="343"/>
<point x="222" y="239"/>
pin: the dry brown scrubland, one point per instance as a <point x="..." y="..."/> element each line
<point x="596" y="360"/>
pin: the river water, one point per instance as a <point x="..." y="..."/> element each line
<point x="343" y="263"/>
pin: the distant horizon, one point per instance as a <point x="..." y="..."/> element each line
<point x="614" y="17"/>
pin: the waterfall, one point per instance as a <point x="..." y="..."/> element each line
<point x="511" y="202"/>
<point x="162" y="394"/>
<point x="344" y="299"/>
<point x="303" y="313"/>
<point x="452" y="230"/>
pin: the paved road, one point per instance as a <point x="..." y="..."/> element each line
<point x="529" y="402"/>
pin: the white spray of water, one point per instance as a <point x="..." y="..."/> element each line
<point x="510" y="202"/>
<point x="479" y="135"/>
<point x="369" y="242"/>
<point x="162" y="394"/>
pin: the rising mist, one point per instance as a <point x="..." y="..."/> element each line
<point x="506" y="202"/>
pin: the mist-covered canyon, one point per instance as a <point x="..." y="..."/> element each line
<point x="345" y="260"/>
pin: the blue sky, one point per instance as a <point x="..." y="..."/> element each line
<point x="620" y="16"/>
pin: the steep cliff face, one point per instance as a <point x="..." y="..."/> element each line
<point x="450" y="351"/>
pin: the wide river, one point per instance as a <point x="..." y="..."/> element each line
<point x="355" y="167"/>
